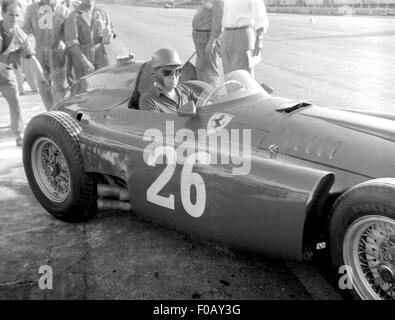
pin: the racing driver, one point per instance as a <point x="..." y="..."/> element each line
<point x="166" y="94"/>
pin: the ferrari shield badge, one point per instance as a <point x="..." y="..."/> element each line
<point x="217" y="122"/>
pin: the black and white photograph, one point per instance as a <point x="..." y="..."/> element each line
<point x="209" y="151"/>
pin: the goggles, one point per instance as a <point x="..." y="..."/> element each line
<point x="170" y="72"/>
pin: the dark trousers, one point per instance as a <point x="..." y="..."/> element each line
<point x="206" y="63"/>
<point x="9" y="90"/>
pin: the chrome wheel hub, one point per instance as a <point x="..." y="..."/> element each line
<point x="50" y="169"/>
<point x="368" y="249"/>
<point x="386" y="273"/>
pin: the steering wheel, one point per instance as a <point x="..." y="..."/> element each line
<point x="235" y="86"/>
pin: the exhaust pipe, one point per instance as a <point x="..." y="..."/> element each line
<point x="113" y="205"/>
<point x="107" y="191"/>
<point x="117" y="198"/>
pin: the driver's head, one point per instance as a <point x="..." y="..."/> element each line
<point x="167" y="67"/>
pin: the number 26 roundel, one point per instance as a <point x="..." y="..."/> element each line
<point x="188" y="179"/>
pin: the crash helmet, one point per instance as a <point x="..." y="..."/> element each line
<point x="165" y="57"/>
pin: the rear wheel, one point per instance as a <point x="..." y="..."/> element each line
<point x="362" y="231"/>
<point x="54" y="167"/>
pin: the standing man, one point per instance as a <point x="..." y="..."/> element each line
<point x="14" y="44"/>
<point x="69" y="4"/>
<point x="88" y="30"/>
<point x="207" y="27"/>
<point x="244" y="22"/>
<point x="45" y="20"/>
<point x="26" y="69"/>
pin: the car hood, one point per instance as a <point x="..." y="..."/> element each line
<point x="376" y="124"/>
<point x="357" y="141"/>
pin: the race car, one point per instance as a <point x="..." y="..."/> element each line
<point x="242" y="166"/>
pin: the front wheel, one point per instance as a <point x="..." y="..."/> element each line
<point x="362" y="239"/>
<point x="54" y="168"/>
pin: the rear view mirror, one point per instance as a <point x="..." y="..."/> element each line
<point x="187" y="110"/>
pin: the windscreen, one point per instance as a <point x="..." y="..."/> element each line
<point x="234" y="85"/>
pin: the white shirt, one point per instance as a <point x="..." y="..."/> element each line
<point x="240" y="13"/>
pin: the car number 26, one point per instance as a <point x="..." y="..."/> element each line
<point x="188" y="179"/>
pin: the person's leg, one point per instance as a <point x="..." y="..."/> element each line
<point x="242" y="43"/>
<point x="69" y="72"/>
<point x="206" y="63"/>
<point x="237" y="43"/>
<point x="78" y="67"/>
<point x="19" y="78"/>
<point x="30" y="74"/>
<point x="212" y="69"/>
<point x="9" y="90"/>
<point x="101" y="58"/>
<point x="44" y="88"/>
<point x="59" y="84"/>
<point x="226" y="51"/>
<point x="58" y="76"/>
<point x="199" y="47"/>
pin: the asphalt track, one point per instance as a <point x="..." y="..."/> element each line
<point x="336" y="61"/>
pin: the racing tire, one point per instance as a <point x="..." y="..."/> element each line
<point x="54" y="167"/>
<point x="362" y="240"/>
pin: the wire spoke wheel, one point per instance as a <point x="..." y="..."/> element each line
<point x="50" y="169"/>
<point x="369" y="249"/>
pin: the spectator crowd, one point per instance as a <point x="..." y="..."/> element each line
<point x="51" y="44"/>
